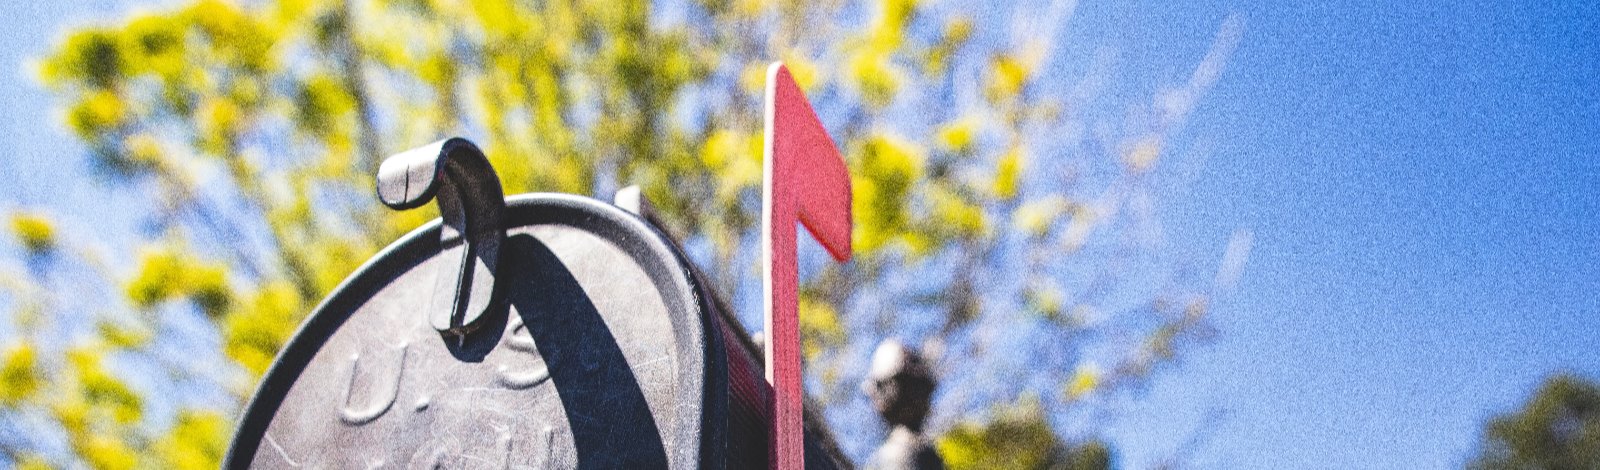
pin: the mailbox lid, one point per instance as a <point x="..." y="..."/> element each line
<point x="597" y="352"/>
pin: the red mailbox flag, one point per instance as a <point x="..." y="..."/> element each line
<point x="805" y="181"/>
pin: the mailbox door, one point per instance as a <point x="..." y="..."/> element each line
<point x="597" y="353"/>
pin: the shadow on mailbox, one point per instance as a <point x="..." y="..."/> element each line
<point x="610" y="420"/>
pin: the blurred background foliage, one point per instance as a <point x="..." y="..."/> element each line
<point x="1005" y="213"/>
<point x="1558" y="428"/>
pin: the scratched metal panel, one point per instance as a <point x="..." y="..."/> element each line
<point x="597" y="358"/>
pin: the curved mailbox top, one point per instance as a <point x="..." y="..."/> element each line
<point x="594" y="352"/>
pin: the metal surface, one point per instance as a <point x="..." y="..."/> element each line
<point x="749" y="393"/>
<point x="539" y="331"/>
<point x="601" y="356"/>
<point x="471" y="204"/>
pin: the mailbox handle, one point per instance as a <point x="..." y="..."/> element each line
<point x="472" y="206"/>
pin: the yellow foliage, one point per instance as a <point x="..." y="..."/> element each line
<point x="92" y="55"/>
<point x="1084" y="380"/>
<point x="106" y="391"/>
<point x="819" y="326"/>
<point x="896" y="14"/>
<point x="735" y="159"/>
<point x="19" y="375"/>
<point x="97" y="112"/>
<point x="960" y="135"/>
<point x="746" y="170"/>
<point x="958" y="30"/>
<point x="235" y="38"/>
<point x="398" y="223"/>
<point x="160" y="274"/>
<point x="105" y="452"/>
<point x="73" y="414"/>
<point x="323" y="103"/>
<point x="720" y="147"/>
<point x="245" y="93"/>
<point x="439" y="70"/>
<point x="121" y="336"/>
<point x="207" y="286"/>
<point x="885" y="170"/>
<point x="155" y="43"/>
<point x="99" y="402"/>
<point x="1008" y="172"/>
<point x="873" y="73"/>
<point x="254" y="334"/>
<point x="333" y="258"/>
<point x="143" y="150"/>
<point x="676" y="63"/>
<point x="871" y="64"/>
<point x="753" y="78"/>
<point x="197" y="440"/>
<point x="291" y="10"/>
<point x="34" y="231"/>
<point x="803" y="70"/>
<point x="956" y="214"/>
<point x="1018" y="437"/>
<point x="956" y="33"/>
<point x="219" y="120"/>
<point x="165" y="274"/>
<point x="498" y="17"/>
<point x="1008" y="74"/>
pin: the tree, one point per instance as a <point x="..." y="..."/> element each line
<point x="1558" y="428"/>
<point x="1018" y="437"/>
<point x="983" y="203"/>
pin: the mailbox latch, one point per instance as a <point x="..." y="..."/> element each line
<point x="472" y="206"/>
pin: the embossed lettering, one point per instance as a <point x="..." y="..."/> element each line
<point x="387" y="388"/>
<point x="521" y="381"/>
<point x="522" y="341"/>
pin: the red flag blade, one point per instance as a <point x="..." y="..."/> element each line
<point x="806" y="182"/>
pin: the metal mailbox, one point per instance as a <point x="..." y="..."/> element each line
<point x="552" y="331"/>
<point x="591" y="342"/>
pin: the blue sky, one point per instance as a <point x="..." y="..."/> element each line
<point x="1419" y="178"/>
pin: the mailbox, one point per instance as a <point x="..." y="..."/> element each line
<point x="530" y="331"/>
